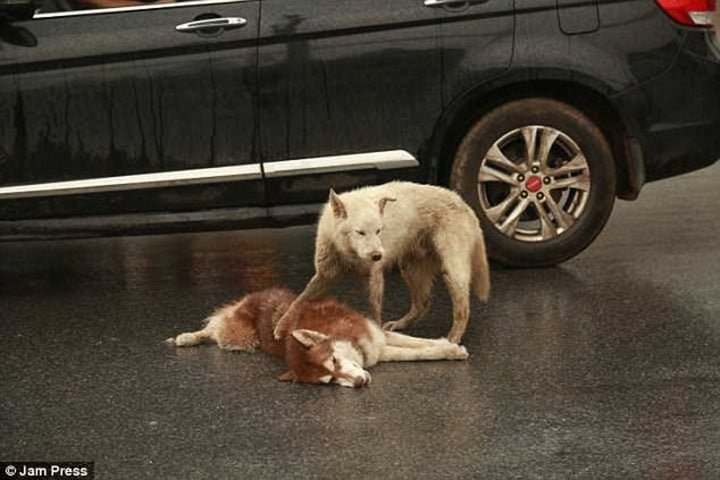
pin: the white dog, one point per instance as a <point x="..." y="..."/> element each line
<point x="423" y="229"/>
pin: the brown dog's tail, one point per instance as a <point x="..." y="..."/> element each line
<point x="480" y="269"/>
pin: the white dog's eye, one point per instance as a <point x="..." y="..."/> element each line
<point x="378" y="231"/>
<point x="360" y="232"/>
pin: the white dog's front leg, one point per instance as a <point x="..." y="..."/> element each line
<point x="376" y="288"/>
<point x="451" y="351"/>
<point x="314" y="288"/>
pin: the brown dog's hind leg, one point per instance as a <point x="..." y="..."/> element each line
<point x="233" y="328"/>
<point x="449" y="351"/>
<point x="190" y="339"/>
<point x="394" y="339"/>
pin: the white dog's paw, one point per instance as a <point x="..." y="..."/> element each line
<point x="392" y="326"/>
<point x="459" y="352"/>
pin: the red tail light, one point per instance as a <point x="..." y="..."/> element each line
<point x="696" y="13"/>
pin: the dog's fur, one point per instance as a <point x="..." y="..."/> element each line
<point x="326" y="343"/>
<point x="423" y="229"/>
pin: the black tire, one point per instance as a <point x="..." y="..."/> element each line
<point x="597" y="202"/>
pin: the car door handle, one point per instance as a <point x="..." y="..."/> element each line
<point x="451" y="3"/>
<point x="225" y="23"/>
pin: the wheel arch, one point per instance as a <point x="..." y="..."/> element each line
<point x="587" y="95"/>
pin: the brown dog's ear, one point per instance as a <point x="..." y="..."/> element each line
<point x="288" y="376"/>
<point x="308" y="338"/>
<point x="337" y="205"/>
<point x="383" y="201"/>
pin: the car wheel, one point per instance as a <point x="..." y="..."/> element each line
<point x="541" y="177"/>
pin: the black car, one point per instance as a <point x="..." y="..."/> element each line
<point x="142" y="115"/>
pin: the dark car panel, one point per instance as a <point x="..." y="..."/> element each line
<point x="678" y="128"/>
<point x="578" y="17"/>
<point x="134" y="96"/>
<point x="477" y="45"/>
<point x="340" y="77"/>
<point x="646" y="55"/>
<point x="612" y="58"/>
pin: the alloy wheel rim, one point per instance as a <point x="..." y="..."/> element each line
<point x="534" y="183"/>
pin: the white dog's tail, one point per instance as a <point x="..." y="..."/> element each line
<point x="480" y="269"/>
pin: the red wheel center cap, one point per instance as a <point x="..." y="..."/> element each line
<point x="533" y="184"/>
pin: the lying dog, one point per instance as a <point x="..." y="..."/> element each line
<point x="423" y="229"/>
<point x="327" y="342"/>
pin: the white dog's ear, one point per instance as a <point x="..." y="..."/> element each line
<point x="383" y="201"/>
<point x="337" y="205"/>
<point x="308" y="338"/>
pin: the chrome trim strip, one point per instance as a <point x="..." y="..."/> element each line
<point x="158" y="6"/>
<point x="135" y="182"/>
<point x="384" y="160"/>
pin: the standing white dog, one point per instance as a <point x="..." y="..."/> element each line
<point x="423" y="229"/>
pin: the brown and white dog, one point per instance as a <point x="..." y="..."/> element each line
<point x="327" y="342"/>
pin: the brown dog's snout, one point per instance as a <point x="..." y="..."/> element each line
<point x="362" y="381"/>
<point x="376" y="256"/>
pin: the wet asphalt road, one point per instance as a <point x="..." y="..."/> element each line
<point x="607" y="367"/>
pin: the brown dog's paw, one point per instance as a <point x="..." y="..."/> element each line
<point x="186" y="340"/>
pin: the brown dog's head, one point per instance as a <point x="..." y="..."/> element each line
<point x="313" y="357"/>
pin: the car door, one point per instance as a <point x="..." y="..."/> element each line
<point x="107" y="109"/>
<point x="349" y="93"/>
<point x="478" y="38"/>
